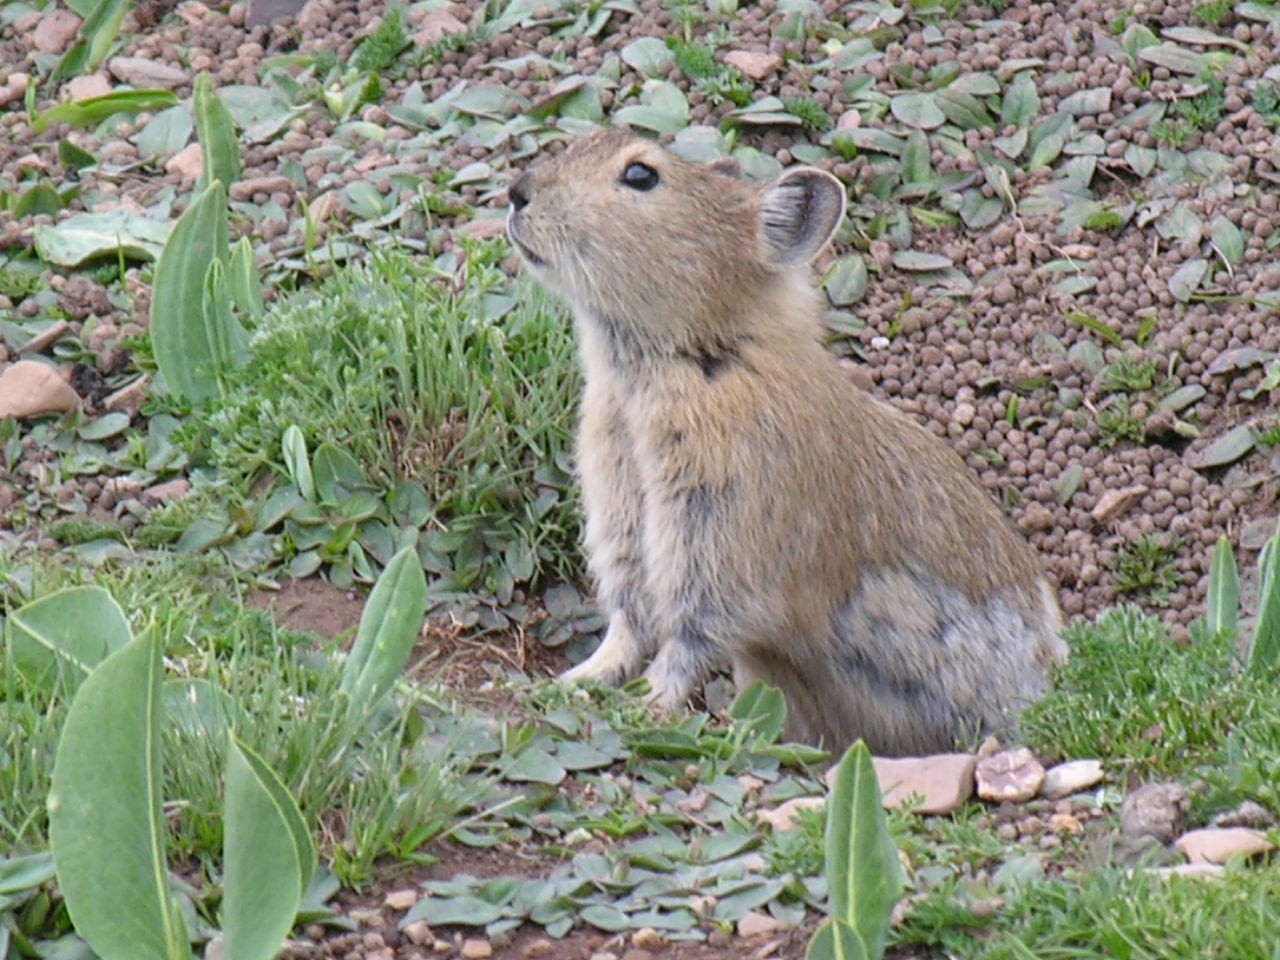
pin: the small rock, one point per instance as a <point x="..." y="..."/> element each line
<point x="637" y="955"/>
<point x="1010" y="776"/>
<point x="193" y="12"/>
<point x="1003" y="293"/>
<point x="944" y="781"/>
<point x="245" y="189"/>
<point x="418" y="932"/>
<point x="1206" y="871"/>
<point x="1035" y="518"/>
<point x="128" y="399"/>
<point x="1115" y="502"/>
<point x="753" y="64"/>
<point x="1219" y="846"/>
<point x="399" y="899"/>
<point x="437" y="25"/>
<point x="783" y="817"/>
<point x="1155" y="810"/>
<point x="55" y="31"/>
<point x="604" y="955"/>
<point x="647" y="938"/>
<point x="30" y="388"/>
<point x="849" y="120"/>
<point x="964" y="414"/>
<point x="484" y="229"/>
<point x="1065" y="823"/>
<point x="87" y="87"/>
<point x="1248" y="814"/>
<point x="537" y="949"/>
<point x="757" y="924"/>
<point x="187" y="164"/>
<point x="476" y="949"/>
<point x="143" y="73"/>
<point x="170" y="491"/>
<point x="1071" y="777"/>
<point x="51" y="334"/>
<point x="102" y="334"/>
<point x="15" y="88"/>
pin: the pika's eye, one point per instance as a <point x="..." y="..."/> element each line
<point x="640" y="176"/>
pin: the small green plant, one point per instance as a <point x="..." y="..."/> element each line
<point x="1222" y="616"/>
<point x="1103" y="220"/>
<point x="809" y="112"/>
<point x="864" y="876"/>
<point x="1147" y="566"/>
<point x="382" y="48"/>
<point x="1266" y="100"/>
<point x="1213" y="13"/>
<point x="1121" y="22"/>
<point x="1171" y="133"/>
<point x="1129" y="373"/>
<point x="695" y="59"/>
<point x="1204" y="110"/>
<point x="1116" y="423"/>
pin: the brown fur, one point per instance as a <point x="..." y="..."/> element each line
<point x="745" y="503"/>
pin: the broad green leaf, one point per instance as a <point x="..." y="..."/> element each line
<point x="201" y="709"/>
<point x="217" y="134"/>
<point x="535" y="765"/>
<point x="168" y="132"/>
<point x="337" y="474"/>
<point x="468" y="911"/>
<point x="846" y="281"/>
<point x="243" y="282"/>
<point x="293" y="448"/>
<point x="836" y="940"/>
<point x="1228" y="448"/>
<point x="918" y="110"/>
<point x="648" y="55"/>
<point x="1021" y="103"/>
<point x="86" y="236"/>
<point x="96" y="34"/>
<point x="762" y="709"/>
<point x="267" y="856"/>
<point x="106" y="822"/>
<point x="963" y="109"/>
<point x="389" y="627"/>
<point x="915" y="159"/>
<point x="1186" y="279"/>
<point x="1141" y="160"/>
<point x="1175" y="58"/>
<point x="20" y="874"/>
<point x="64" y="635"/>
<point x="1264" y="650"/>
<point x="1047" y="139"/>
<point x="1223" y="600"/>
<point x="86" y="113"/>
<point x="864" y="875"/>
<point x="1227" y="240"/>
<point x="1067" y="484"/>
<point x="920" y="260"/>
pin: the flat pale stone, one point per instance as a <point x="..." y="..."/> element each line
<point x="1009" y="776"/>
<point x="783" y="816"/>
<point x="437" y="25"/>
<point x="1220" y="845"/>
<point x="1071" y="777"/>
<point x="849" y="120"/>
<point x="88" y="87"/>
<point x="753" y="64"/>
<point x="485" y="229"/>
<point x="401" y="899"/>
<point x="141" y="72"/>
<point x="476" y="949"/>
<point x="187" y="164"/>
<point x="1115" y="502"/>
<point x="128" y="399"/>
<point x="55" y="31"/>
<point x="757" y="924"/>
<point x="30" y="388"/>
<point x="944" y="781"/>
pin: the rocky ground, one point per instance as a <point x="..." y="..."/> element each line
<point x="1074" y="281"/>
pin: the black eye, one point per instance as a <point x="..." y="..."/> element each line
<point x="640" y="176"/>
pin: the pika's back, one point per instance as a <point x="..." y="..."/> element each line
<point x="623" y="228"/>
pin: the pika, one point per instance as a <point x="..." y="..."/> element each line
<point x="744" y="502"/>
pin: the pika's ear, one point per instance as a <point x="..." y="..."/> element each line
<point x="798" y="215"/>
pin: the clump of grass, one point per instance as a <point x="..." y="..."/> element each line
<point x="1103" y="220"/>
<point x="1213" y="13"/>
<point x="1116" y="423"/>
<point x="1171" y="133"/>
<point x="1266" y="100"/>
<point x="1129" y="374"/>
<point x="1147" y="567"/>
<point x="696" y="60"/>
<point x="809" y="112"/>
<point x="1203" y="110"/>
<point x="382" y="48"/>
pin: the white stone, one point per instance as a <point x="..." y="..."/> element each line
<point x="30" y="388"/>
<point x="1071" y="777"/>
<point x="1010" y="776"/>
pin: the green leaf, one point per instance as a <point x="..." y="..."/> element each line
<point x="648" y="55"/>
<point x="293" y="448"/>
<point x="20" y="874"/>
<point x="389" y="627"/>
<point x="963" y="109"/>
<point x="846" y="281"/>
<point x="167" y="132"/>
<point x="864" y="875"/>
<point x="243" y="282"/>
<point x="85" y="113"/>
<point x="1186" y="279"/>
<point x="1264" y="650"/>
<point x="920" y="260"/>
<point x="337" y="474"/>
<point x="836" y="940"/>
<point x="915" y="160"/>
<point x="918" y="110"/>
<point x="1021" y="103"/>
<point x="106" y="823"/>
<point x="96" y="34"/>
<point x="1227" y="240"/>
<point x="217" y="134"/>
<point x="267" y="854"/>
<point x="84" y="236"/>
<point x="760" y="708"/>
<point x="186" y="349"/>
<point x="64" y="635"/>
<point x="1228" y="448"/>
<point x="1223" y="601"/>
<point x="462" y="910"/>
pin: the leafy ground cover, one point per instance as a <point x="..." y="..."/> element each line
<point x="1060" y="256"/>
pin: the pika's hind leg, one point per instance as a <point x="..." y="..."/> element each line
<point x="613" y="503"/>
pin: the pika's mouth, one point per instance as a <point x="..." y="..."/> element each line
<point x="513" y="234"/>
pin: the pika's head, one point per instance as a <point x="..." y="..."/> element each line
<point x="620" y="227"/>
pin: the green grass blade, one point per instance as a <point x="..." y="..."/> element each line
<point x="217" y="135"/>
<point x="242" y="279"/>
<point x="1223" y="602"/>
<point x="106" y="825"/>
<point x="268" y="858"/>
<point x="179" y="337"/>
<point x="388" y="629"/>
<point x="1264" y="651"/>
<point x="836" y="940"/>
<point x="85" y="113"/>
<point x="864" y="876"/>
<point x="64" y="636"/>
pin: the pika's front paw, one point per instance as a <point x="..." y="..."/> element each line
<point x="617" y="658"/>
<point x="671" y="681"/>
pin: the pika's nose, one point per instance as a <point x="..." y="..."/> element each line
<point x="520" y="190"/>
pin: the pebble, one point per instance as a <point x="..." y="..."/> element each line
<point x="476" y="949"/>
<point x="129" y="398"/>
<point x="397" y="899"/>
<point x="1113" y="503"/>
<point x="435" y="26"/>
<point x="944" y="781"/>
<point x="1071" y="777"/>
<point x="754" y="65"/>
<point x="1156" y="810"/>
<point x="418" y="932"/>
<point x="757" y="924"/>
<point x="55" y="31"/>
<point x="783" y="817"/>
<point x="1215" y="845"/>
<point x="1010" y="776"/>
<point x="86" y="87"/>
<point x="30" y="388"/>
<point x="187" y="164"/>
<point x="538" y="949"/>
<point x="647" y="938"/>
<point x="142" y="73"/>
